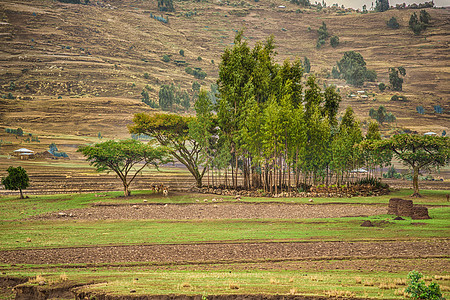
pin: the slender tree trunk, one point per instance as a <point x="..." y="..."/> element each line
<point x="126" y="190"/>
<point x="226" y="177"/>
<point x="21" y="194"/>
<point x="280" y="176"/>
<point x="289" y="178"/>
<point x="237" y="171"/>
<point x="232" y="175"/>
<point x="416" y="182"/>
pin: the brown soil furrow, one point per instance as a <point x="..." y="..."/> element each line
<point x="229" y="252"/>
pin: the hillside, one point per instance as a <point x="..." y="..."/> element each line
<point x="94" y="57"/>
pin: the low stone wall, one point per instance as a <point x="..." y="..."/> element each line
<point x="323" y="192"/>
<point x="406" y="208"/>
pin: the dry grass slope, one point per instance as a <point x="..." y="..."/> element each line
<point x="95" y="57"/>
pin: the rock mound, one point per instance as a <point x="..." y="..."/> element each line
<point x="406" y="208"/>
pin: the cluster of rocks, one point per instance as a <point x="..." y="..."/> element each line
<point x="406" y="208"/>
<point x="331" y="191"/>
<point x="66" y="215"/>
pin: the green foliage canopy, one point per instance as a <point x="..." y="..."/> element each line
<point x="125" y="158"/>
<point x="417" y="289"/>
<point x="17" y="179"/>
<point x="394" y="78"/>
<point x="417" y="152"/>
<point x="352" y="68"/>
<point x="392" y="23"/>
<point x="172" y="131"/>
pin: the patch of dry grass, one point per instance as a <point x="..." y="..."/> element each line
<point x="340" y="294"/>
<point x="36" y="279"/>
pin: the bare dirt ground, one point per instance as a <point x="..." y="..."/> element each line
<point x="216" y="211"/>
<point x="231" y="252"/>
<point x="306" y="254"/>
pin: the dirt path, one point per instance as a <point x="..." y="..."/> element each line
<point x="216" y="211"/>
<point x="216" y="252"/>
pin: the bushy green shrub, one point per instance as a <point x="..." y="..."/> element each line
<point x="182" y="52"/>
<point x="417" y="289"/>
<point x="399" y="98"/>
<point x="381" y="86"/>
<point x="196" y="72"/>
<point x="335" y="73"/>
<point x="320" y="43"/>
<point x="352" y="68"/>
<point x="196" y="86"/>
<point x="166" y="58"/>
<point x="334" y="41"/>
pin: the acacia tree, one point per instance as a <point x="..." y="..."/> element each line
<point x="17" y="179"/>
<point x="172" y="131"/>
<point x="125" y="158"/>
<point x="415" y="151"/>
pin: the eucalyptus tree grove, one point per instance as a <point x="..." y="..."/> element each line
<point x="268" y="128"/>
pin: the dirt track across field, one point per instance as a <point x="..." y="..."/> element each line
<point x="217" y="211"/>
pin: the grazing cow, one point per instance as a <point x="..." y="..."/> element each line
<point x="165" y="191"/>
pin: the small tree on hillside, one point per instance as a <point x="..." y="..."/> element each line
<point x="334" y="41"/>
<point x="381" y="115"/>
<point x="392" y="23"/>
<point x="306" y="65"/>
<point x="17" y="179"/>
<point x="125" y="158"/>
<point x="165" y="5"/>
<point x="352" y="68"/>
<point x="323" y="35"/>
<point x="415" y="25"/>
<point x="394" y="78"/>
<point x="424" y="17"/>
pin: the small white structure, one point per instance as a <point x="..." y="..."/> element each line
<point x="360" y="170"/>
<point x="24" y="153"/>
<point x="430" y="133"/>
<point x="281" y="6"/>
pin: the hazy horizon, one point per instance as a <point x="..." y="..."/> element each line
<point x="359" y="3"/>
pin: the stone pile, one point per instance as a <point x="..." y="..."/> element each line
<point x="406" y="208"/>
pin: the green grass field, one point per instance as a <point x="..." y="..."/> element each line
<point x="224" y="278"/>
<point x="54" y="234"/>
